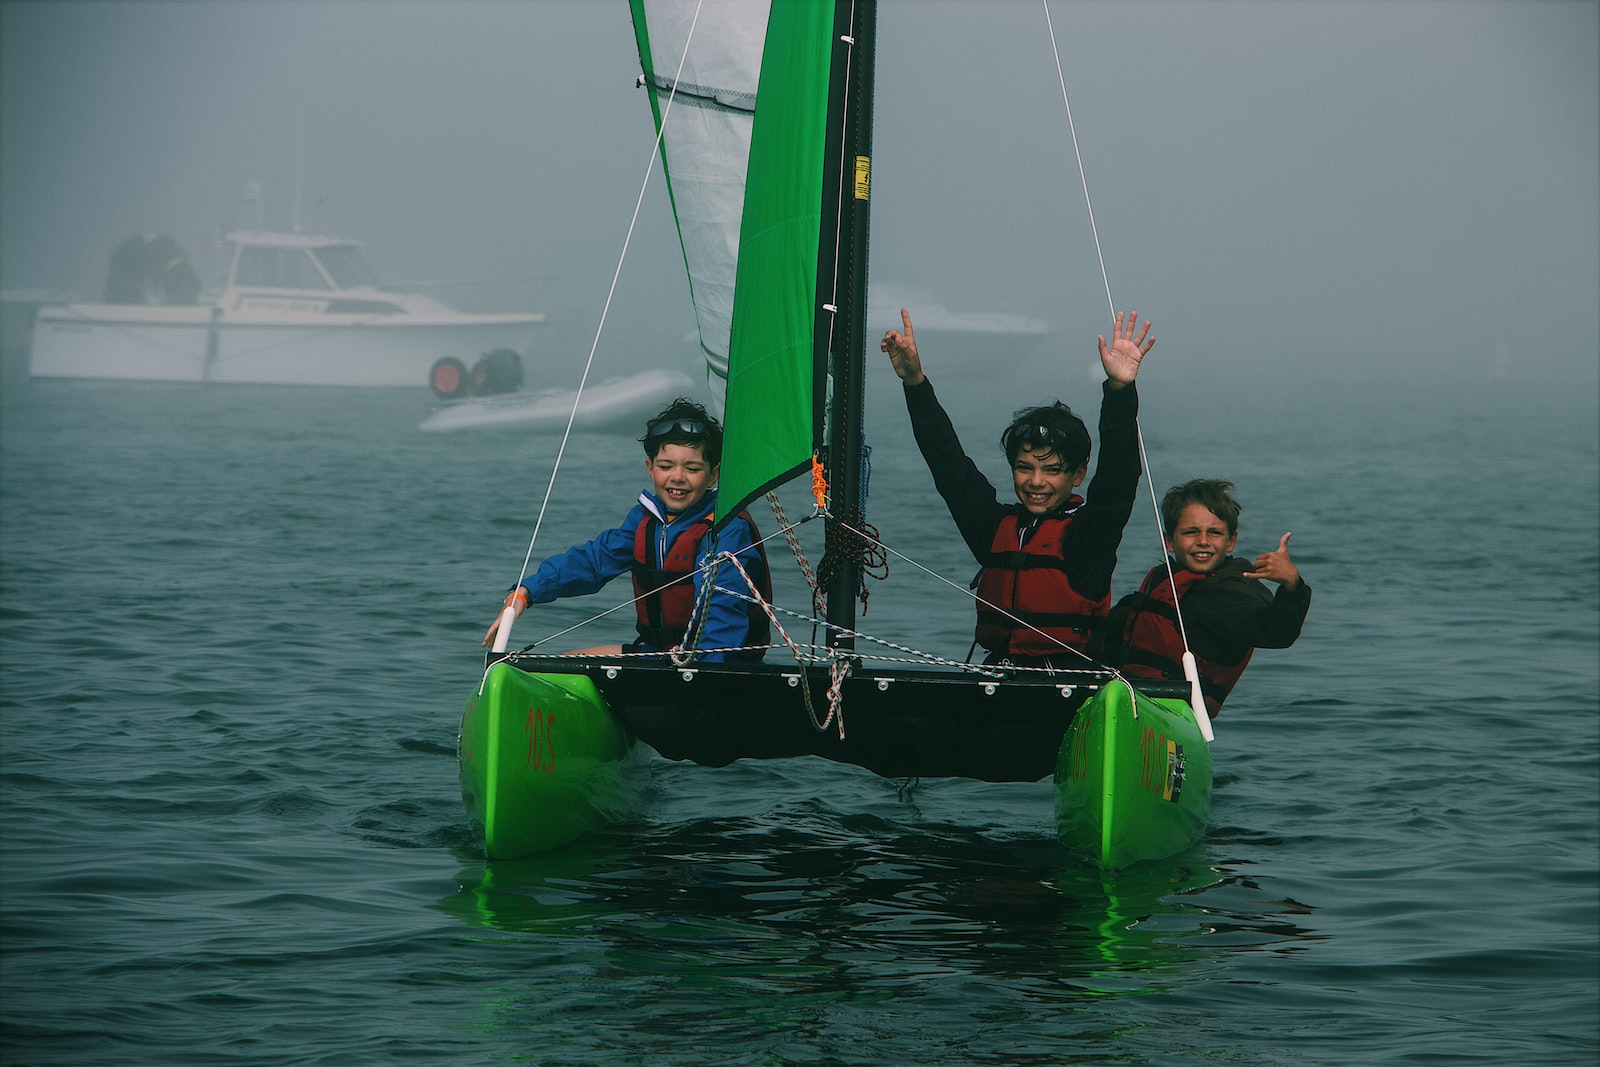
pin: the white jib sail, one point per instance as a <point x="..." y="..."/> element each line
<point x="705" y="142"/>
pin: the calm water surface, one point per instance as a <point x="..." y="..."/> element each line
<point x="237" y="627"/>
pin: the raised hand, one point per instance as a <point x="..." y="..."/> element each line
<point x="902" y="349"/>
<point x="1276" y="566"/>
<point x="1121" y="360"/>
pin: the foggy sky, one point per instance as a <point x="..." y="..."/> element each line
<point x="1400" y="195"/>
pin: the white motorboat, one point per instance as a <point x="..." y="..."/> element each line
<point x="294" y="309"/>
<point x="622" y="403"/>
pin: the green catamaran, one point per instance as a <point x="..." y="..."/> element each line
<point x="766" y="123"/>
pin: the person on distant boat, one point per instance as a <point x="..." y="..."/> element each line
<point x="663" y="541"/>
<point x="1227" y="612"/>
<point x="1048" y="558"/>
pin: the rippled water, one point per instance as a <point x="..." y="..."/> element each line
<point x="237" y="627"/>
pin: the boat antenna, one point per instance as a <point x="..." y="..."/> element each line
<point x="1191" y="670"/>
<point x="252" y="195"/>
<point x="508" y="616"/>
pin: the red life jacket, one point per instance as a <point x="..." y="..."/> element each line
<point x="1152" y="646"/>
<point x="664" y="597"/>
<point x="1030" y="583"/>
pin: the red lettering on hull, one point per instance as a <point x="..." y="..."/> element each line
<point x="541" y="741"/>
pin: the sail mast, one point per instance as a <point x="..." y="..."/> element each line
<point x="842" y="275"/>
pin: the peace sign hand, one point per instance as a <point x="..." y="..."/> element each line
<point x="902" y="349"/>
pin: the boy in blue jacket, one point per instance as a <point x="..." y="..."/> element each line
<point x="662" y="541"/>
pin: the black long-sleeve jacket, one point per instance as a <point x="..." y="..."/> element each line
<point x="1096" y="532"/>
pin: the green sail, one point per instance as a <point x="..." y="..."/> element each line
<point x="770" y="403"/>
<point x="739" y="90"/>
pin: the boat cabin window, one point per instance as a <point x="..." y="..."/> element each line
<point x="278" y="268"/>
<point x="348" y="268"/>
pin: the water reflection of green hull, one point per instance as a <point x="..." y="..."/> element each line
<point x="1133" y="778"/>
<point x="668" y="902"/>
<point x="541" y="761"/>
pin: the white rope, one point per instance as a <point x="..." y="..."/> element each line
<point x="1094" y="229"/>
<point x="655" y="152"/>
<point x="797" y="550"/>
<point x="969" y="593"/>
<point x="686" y="576"/>
<point x="839" y="665"/>
<point x="826" y="654"/>
<point x="1061" y="78"/>
<point x="1202" y="717"/>
<point x="829" y="655"/>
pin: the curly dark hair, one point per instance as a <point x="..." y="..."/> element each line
<point x="684" y="422"/>
<point x="1051" y="426"/>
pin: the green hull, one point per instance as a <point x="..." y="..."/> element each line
<point x="541" y="760"/>
<point x="1132" y="783"/>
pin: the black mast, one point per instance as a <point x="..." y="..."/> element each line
<point x="845" y="197"/>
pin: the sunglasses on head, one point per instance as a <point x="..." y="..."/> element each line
<point x="1035" y="433"/>
<point x="663" y="427"/>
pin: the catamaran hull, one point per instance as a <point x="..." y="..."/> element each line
<point x="1133" y="779"/>
<point x="196" y="344"/>
<point x="541" y="761"/>
<point x="541" y="747"/>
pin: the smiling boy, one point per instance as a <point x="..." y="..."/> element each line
<point x="1048" y="558"/>
<point x="663" y="540"/>
<point x="1227" y="612"/>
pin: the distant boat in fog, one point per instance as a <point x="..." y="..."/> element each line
<point x="17" y="310"/>
<point x="622" y="403"/>
<point x="952" y="330"/>
<point x="294" y="310"/>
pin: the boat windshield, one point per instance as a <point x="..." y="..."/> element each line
<point x="278" y="268"/>
<point x="347" y="266"/>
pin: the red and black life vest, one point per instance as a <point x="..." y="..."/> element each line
<point x="664" y="597"/>
<point x="1152" y="647"/>
<point x="1029" y="583"/>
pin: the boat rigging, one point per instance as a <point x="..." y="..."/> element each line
<point x="1132" y="771"/>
